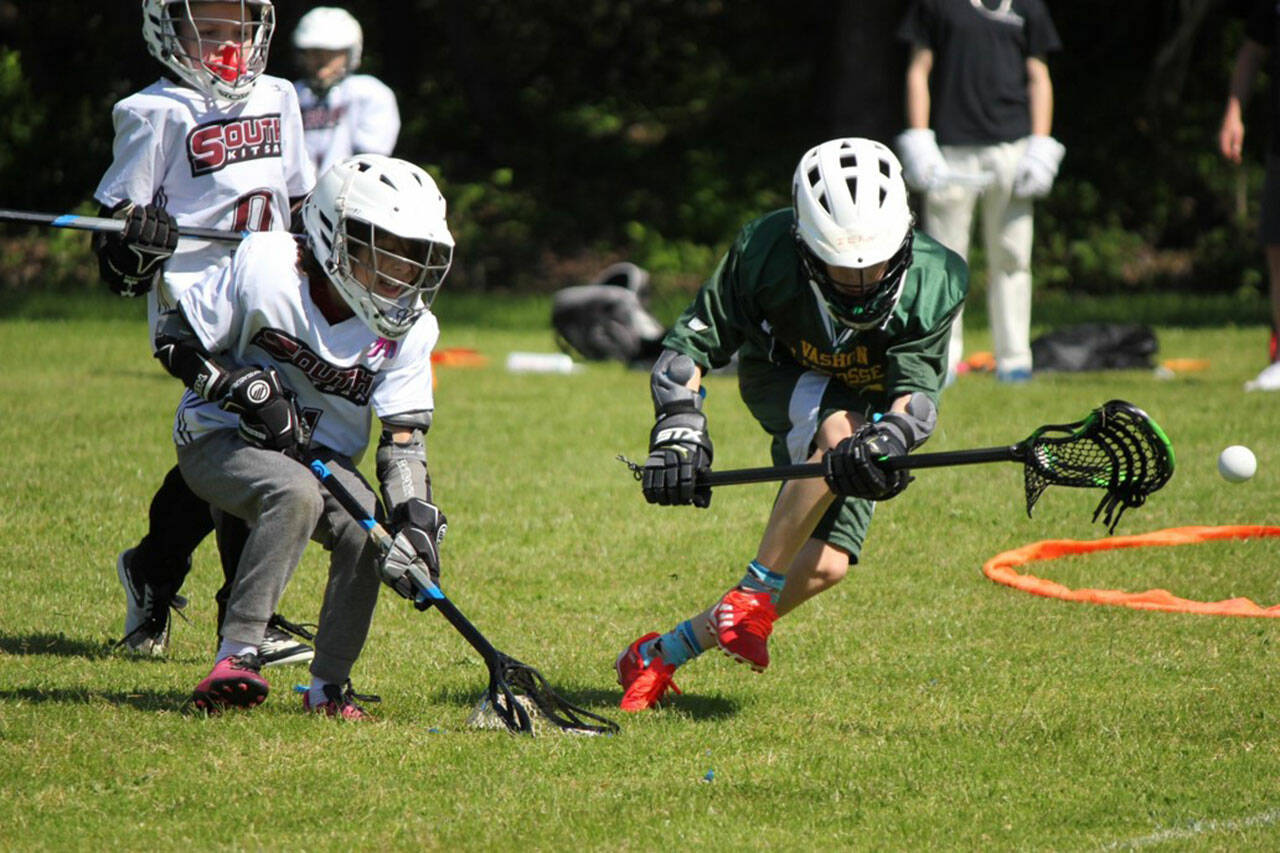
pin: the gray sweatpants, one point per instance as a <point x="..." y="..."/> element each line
<point x="285" y="506"/>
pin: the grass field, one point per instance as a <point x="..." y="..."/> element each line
<point x="916" y="705"/>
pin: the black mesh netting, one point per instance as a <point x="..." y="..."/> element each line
<point x="1117" y="448"/>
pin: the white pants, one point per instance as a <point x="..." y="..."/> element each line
<point x="1007" y="233"/>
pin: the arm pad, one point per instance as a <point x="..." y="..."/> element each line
<point x="914" y="426"/>
<point x="402" y="470"/>
<point x="180" y="352"/>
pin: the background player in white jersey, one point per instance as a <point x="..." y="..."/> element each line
<point x="215" y="143"/>
<point x="344" y="325"/>
<point x="343" y="113"/>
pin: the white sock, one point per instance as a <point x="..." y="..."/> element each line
<point x="233" y="647"/>
<point x="317" y="697"/>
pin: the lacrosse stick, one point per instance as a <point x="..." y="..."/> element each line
<point x="112" y="226"/>
<point x="1117" y="448"/>
<point x="513" y="685"/>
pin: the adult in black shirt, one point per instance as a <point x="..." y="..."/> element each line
<point x="979" y="115"/>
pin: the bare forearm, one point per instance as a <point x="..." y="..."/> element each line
<point x="1040" y="97"/>
<point x="918" y="101"/>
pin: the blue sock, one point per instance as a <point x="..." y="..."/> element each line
<point x="760" y="579"/>
<point x="677" y="646"/>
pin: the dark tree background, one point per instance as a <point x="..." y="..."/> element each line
<point x="567" y="132"/>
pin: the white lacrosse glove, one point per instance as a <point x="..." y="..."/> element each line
<point x="1038" y="167"/>
<point x="923" y="166"/>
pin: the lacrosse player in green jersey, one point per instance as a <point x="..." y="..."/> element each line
<point x="840" y="313"/>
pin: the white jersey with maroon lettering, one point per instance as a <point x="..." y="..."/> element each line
<point x="257" y="311"/>
<point x="357" y="116"/>
<point x="231" y="168"/>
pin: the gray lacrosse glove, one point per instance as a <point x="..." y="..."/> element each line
<point x="129" y="261"/>
<point x="679" y="448"/>
<point x="268" y="416"/>
<point x="419" y="529"/>
<point x="853" y="469"/>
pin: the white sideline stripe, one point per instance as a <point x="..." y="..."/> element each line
<point x="1197" y="827"/>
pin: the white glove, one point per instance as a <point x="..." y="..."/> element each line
<point x="925" y="169"/>
<point x="923" y="166"/>
<point x="1038" y="167"/>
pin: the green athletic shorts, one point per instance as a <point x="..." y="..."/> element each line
<point x="791" y="402"/>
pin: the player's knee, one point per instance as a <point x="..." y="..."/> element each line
<point x="831" y="569"/>
<point x="824" y="565"/>
<point x="300" y="500"/>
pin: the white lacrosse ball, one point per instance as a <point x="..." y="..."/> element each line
<point x="1237" y="463"/>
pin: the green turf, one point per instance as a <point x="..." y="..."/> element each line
<point x="916" y="705"/>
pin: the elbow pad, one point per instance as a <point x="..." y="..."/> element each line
<point x="188" y="361"/>
<point x="914" y="426"/>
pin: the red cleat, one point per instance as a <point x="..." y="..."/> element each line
<point x="234" y="682"/>
<point x="644" y="684"/>
<point x="744" y="621"/>
<point x="339" y="702"/>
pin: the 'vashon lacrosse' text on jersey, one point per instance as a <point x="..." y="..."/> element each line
<point x="230" y="168"/>
<point x="760" y="304"/>
<point x="357" y="116"/>
<point x="258" y="312"/>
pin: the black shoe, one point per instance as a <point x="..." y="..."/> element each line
<point x="146" y="615"/>
<point x="280" y="646"/>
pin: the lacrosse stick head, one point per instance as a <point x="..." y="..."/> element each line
<point x="520" y="700"/>
<point x="1117" y="448"/>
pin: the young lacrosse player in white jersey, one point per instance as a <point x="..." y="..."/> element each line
<point x="215" y="143"/>
<point x="289" y="351"/>
<point x="343" y="113"/>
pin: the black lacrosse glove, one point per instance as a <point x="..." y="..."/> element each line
<point x="853" y="469"/>
<point x="419" y="529"/>
<point x="268" y="416"/>
<point x="679" y="448"/>
<point x="129" y="261"/>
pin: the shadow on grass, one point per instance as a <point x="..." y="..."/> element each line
<point x="142" y="700"/>
<point x="58" y="645"/>
<point x="606" y="701"/>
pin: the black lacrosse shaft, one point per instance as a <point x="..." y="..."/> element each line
<point x="383" y="539"/>
<point x="803" y="470"/>
<point x="98" y="223"/>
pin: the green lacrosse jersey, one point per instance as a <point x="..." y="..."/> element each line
<point x="760" y="304"/>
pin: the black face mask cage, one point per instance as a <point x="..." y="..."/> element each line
<point x="872" y="308"/>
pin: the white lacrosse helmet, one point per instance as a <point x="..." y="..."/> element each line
<point x="330" y="28"/>
<point x="851" y="211"/>
<point x="245" y="39"/>
<point x="356" y="210"/>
